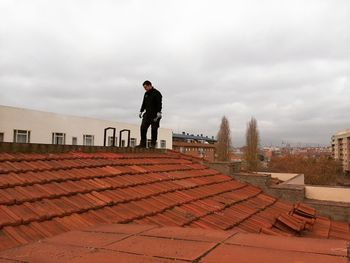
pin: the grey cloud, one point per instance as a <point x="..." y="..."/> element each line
<point x="285" y="62"/>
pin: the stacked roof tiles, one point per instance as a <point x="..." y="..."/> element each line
<point x="43" y="195"/>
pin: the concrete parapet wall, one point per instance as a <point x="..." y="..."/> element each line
<point x="56" y="148"/>
<point x="334" y="193"/>
<point x="297" y="193"/>
<point x="227" y="168"/>
<point x="288" y="192"/>
<point x="298" y="179"/>
<point x="281" y="176"/>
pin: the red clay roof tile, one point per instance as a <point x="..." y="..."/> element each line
<point x="46" y="252"/>
<point x="6" y="241"/>
<point x="229" y="253"/>
<point x="54" y="193"/>
<point x="190" y="234"/>
<point x="105" y="256"/>
<point x="168" y="248"/>
<point x="83" y="239"/>
<point x="15" y="234"/>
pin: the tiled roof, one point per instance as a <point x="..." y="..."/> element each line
<point x="43" y="195"/>
<point x="147" y="243"/>
<point x="191" y="144"/>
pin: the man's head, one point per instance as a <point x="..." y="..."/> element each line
<point x="147" y="85"/>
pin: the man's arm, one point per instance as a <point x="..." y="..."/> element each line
<point x="158" y="102"/>
<point x="143" y="106"/>
<point x="158" y="106"/>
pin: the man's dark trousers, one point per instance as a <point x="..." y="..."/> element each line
<point x="146" y="122"/>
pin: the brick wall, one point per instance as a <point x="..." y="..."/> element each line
<point x="201" y="150"/>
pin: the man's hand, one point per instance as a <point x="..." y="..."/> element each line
<point x="140" y="114"/>
<point x="159" y="116"/>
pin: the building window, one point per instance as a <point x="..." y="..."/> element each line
<point x="21" y="136"/>
<point x="88" y="140"/>
<point x="110" y="141"/>
<point x="162" y="144"/>
<point x="123" y="144"/>
<point x="74" y="141"/>
<point x="1" y="136"/>
<point x="58" y="138"/>
<point x="132" y="142"/>
<point x="182" y="150"/>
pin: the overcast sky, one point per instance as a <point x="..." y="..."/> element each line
<point x="287" y="63"/>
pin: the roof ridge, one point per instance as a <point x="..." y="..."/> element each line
<point x="187" y="156"/>
<point x="58" y="158"/>
<point x="2" y="171"/>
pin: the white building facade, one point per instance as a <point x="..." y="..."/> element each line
<point x="31" y="126"/>
<point x="341" y="148"/>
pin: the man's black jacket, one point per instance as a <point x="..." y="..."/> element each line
<point x="152" y="103"/>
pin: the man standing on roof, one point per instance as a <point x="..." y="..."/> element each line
<point x="152" y="105"/>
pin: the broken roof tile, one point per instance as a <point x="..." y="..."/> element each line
<point x="291" y="222"/>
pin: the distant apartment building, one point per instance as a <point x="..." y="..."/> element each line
<point x="31" y="126"/>
<point x="195" y="145"/>
<point x="341" y="148"/>
<point x="270" y="152"/>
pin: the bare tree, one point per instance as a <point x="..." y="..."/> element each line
<point x="252" y="145"/>
<point x="224" y="144"/>
<point x="317" y="170"/>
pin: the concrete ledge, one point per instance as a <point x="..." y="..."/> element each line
<point x="288" y="192"/>
<point x="328" y="193"/>
<point x="287" y="178"/>
<point x="281" y="176"/>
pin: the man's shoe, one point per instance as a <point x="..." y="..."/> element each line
<point x="152" y="146"/>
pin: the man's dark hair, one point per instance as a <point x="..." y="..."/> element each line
<point x="147" y="83"/>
